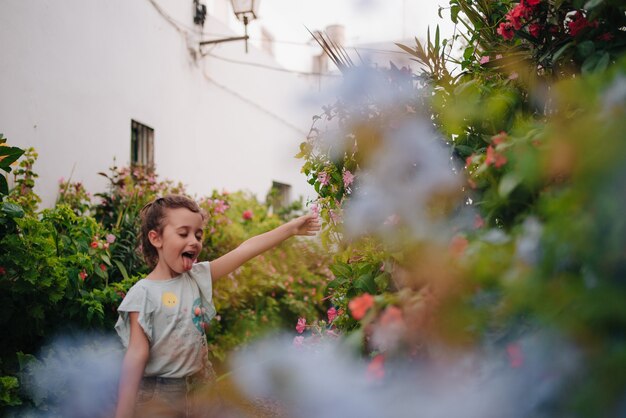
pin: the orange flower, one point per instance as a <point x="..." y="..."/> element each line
<point x="360" y="305"/>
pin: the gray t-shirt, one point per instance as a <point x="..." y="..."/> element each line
<point x="173" y="313"/>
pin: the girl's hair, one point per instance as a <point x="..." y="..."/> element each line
<point x="152" y="216"/>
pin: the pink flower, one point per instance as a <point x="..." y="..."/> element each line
<point x="484" y="59"/>
<point x="61" y="180"/>
<point x="323" y="178"/>
<point x="376" y="368"/>
<point x="458" y="245"/>
<point x="532" y="3"/>
<point x="348" y="178"/>
<point x="247" y="215"/>
<point x="479" y="222"/>
<point x="469" y="160"/>
<point x="513" y="76"/>
<point x="110" y="238"/>
<point x="220" y="206"/>
<point x="298" y="341"/>
<point x="516" y="357"/>
<point x="315" y="209"/>
<point x="332" y="314"/>
<point x="391" y="315"/>
<point x="499" y="56"/>
<point x="82" y="275"/>
<point x="301" y="326"/>
<point x="499" y="138"/>
<point x="360" y="305"/>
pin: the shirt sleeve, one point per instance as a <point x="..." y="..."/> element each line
<point x="201" y="274"/>
<point x="136" y="300"/>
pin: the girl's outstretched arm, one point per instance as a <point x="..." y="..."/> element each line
<point x="306" y="225"/>
<point x="133" y="367"/>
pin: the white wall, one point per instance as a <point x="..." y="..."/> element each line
<point x="74" y="73"/>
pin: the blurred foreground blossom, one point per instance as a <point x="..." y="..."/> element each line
<point x="312" y="383"/>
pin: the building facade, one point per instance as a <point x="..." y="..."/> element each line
<point x="90" y="82"/>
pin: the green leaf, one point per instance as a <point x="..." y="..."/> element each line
<point x="122" y="269"/>
<point x="4" y="186"/>
<point x="454" y="13"/>
<point x="10" y="154"/>
<point x="106" y="259"/>
<point x="561" y="50"/>
<point x="382" y="282"/>
<point x="341" y="270"/>
<point x="592" y="3"/>
<point x="366" y="283"/>
<point x="507" y="184"/>
<point x="11" y="209"/>
<point x="603" y="62"/>
<point x="586" y="48"/>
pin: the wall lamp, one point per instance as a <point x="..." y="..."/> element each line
<point x="246" y="11"/>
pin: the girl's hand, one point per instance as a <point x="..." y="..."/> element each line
<point x="305" y="225"/>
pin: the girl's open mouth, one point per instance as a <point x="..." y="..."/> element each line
<point x="189" y="257"/>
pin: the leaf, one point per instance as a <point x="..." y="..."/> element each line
<point x="586" y="48"/>
<point x="603" y="62"/>
<point x="106" y="259"/>
<point x="12" y="210"/>
<point x="592" y="3"/>
<point x="341" y="270"/>
<point x="508" y="183"/>
<point x="122" y="269"/>
<point x="4" y="186"/>
<point x="561" y="50"/>
<point x="382" y="282"/>
<point x="366" y="283"/>
<point x="454" y="13"/>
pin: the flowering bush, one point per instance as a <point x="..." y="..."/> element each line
<point x="426" y="267"/>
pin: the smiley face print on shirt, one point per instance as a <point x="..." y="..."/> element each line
<point x="169" y="299"/>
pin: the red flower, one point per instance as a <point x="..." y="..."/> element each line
<point x="360" y="305"/>
<point x="2" y="271"/>
<point x="578" y="23"/>
<point x="495" y="158"/>
<point x="505" y="30"/>
<point x="535" y="29"/>
<point x="606" y="37"/>
<point x="103" y="267"/>
<point x="247" y="215"/>
<point x="516" y="15"/>
<point x="469" y="160"/>
<point x="83" y="275"/>
<point x="532" y="3"/>
<point x="94" y="244"/>
<point x="376" y="367"/>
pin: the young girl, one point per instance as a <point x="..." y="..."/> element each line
<point x="162" y="318"/>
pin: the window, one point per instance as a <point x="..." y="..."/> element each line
<point x="141" y="145"/>
<point x="280" y="195"/>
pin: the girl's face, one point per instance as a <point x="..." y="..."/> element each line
<point x="179" y="242"/>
